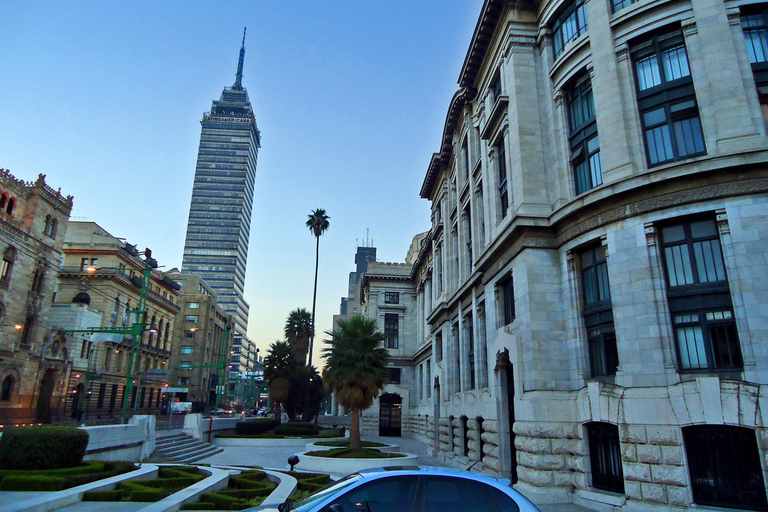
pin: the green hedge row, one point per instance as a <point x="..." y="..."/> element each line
<point x="255" y="427"/>
<point x="87" y="472"/>
<point x="294" y="431"/>
<point x="242" y="490"/>
<point x="48" y="447"/>
<point x="303" y="424"/>
<point x="32" y="483"/>
<point x="170" y="479"/>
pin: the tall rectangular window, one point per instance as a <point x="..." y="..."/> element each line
<point x="470" y="341"/>
<point x="585" y="145"/>
<point x="421" y="381"/>
<point x="754" y="24"/>
<point x="457" y="356"/>
<point x="439" y="346"/>
<point x="428" y="379"/>
<point x="467" y="221"/>
<point x="391" y="330"/>
<point x="394" y="375"/>
<point x="598" y="313"/>
<point x="505" y="298"/>
<point x="391" y="297"/>
<point x="571" y="23"/>
<point x="501" y="167"/>
<point x="605" y="456"/>
<point x="482" y="346"/>
<point x="667" y="100"/>
<point x="699" y="296"/>
<point x="439" y="268"/>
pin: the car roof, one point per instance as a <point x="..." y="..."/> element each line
<point x="429" y="470"/>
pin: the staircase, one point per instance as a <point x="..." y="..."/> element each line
<point x="181" y="448"/>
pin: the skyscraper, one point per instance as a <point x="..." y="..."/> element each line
<point x="216" y="246"/>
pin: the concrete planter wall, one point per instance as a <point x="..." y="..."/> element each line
<point x="291" y="442"/>
<point x="346" y="466"/>
<point x="313" y="447"/>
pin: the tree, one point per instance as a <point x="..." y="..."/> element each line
<point x="298" y="330"/>
<point x="306" y="393"/>
<point x="356" y="367"/>
<point x="317" y="224"/>
<point x="279" y="368"/>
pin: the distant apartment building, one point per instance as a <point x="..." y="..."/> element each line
<point x="200" y="360"/>
<point x="594" y="315"/>
<point x="34" y="370"/>
<point x="100" y="283"/>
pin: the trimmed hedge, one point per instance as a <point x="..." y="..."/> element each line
<point x="255" y="427"/>
<point x="42" y="447"/>
<point x="303" y="424"/>
<point x="177" y="477"/>
<point x="244" y="491"/>
<point x="294" y="431"/>
<point x="32" y="483"/>
<point x="86" y="472"/>
<point x="347" y="453"/>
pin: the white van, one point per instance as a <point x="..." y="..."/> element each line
<point x="181" y="407"/>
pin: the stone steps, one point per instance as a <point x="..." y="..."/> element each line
<point x="181" y="448"/>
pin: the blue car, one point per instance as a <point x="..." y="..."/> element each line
<point x="413" y="489"/>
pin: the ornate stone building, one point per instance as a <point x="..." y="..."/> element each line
<point x="34" y="362"/>
<point x="594" y="279"/>
<point x="99" y="286"/>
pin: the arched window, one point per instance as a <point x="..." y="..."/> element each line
<point x="9" y="208"/>
<point x="160" y="333"/>
<point x="152" y="327"/>
<point x="7" y="389"/>
<point x="9" y="257"/>
<point x="54" y="227"/>
<point x="37" y="281"/>
<point x="47" y="225"/>
<point x="3" y="201"/>
<point x="165" y="340"/>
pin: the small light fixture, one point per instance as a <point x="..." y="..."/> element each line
<point x="193" y="330"/>
<point x="90" y="270"/>
<point x="77" y="376"/>
<point x="18" y="327"/>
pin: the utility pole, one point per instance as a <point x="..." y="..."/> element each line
<point x="135" y="330"/>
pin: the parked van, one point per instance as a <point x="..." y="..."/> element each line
<point x="181" y="407"/>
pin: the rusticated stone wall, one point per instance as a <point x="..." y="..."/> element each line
<point x="550" y="454"/>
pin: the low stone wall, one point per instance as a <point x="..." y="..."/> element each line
<point x="345" y="466"/>
<point x="133" y="442"/>
<point x="198" y="427"/>
<point x="288" y="442"/>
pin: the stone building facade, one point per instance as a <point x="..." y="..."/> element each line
<point x="200" y="360"/>
<point x="593" y="282"/>
<point x="99" y="286"/>
<point x="34" y="365"/>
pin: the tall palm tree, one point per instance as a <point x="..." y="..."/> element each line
<point x="279" y="368"/>
<point x="356" y="368"/>
<point x="317" y="224"/>
<point x="298" y="329"/>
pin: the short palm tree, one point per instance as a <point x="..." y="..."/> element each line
<point x="279" y="368"/>
<point x="298" y="330"/>
<point x="317" y="224"/>
<point x="356" y="368"/>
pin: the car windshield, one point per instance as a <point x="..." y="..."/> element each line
<point x="307" y="503"/>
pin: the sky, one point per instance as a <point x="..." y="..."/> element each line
<point x="106" y="98"/>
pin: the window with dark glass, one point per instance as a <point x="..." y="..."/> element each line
<point x="754" y="24"/>
<point x="467" y="220"/>
<point x="505" y="298"/>
<point x="598" y="313"/>
<point x="496" y="87"/>
<point x="699" y="296"/>
<point x="585" y="145"/>
<point x="571" y="23"/>
<point x="605" y="457"/>
<point x="470" y="351"/>
<point x="7" y="391"/>
<point x="501" y="166"/>
<point x="620" y="4"/>
<point x="667" y="100"/>
<point x="724" y="464"/>
<point x="391" y="330"/>
<point x="391" y="297"/>
<point x="394" y="375"/>
<point x="439" y="346"/>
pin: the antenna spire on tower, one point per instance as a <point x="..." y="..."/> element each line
<point x="239" y="76"/>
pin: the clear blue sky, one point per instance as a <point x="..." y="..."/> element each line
<point x="106" y="98"/>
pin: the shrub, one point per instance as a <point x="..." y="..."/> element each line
<point x="226" y="502"/>
<point x="255" y="427"/>
<point x="32" y="483"/>
<point x="42" y="447"/>
<point x="200" y="505"/>
<point x="149" y="494"/>
<point x="303" y="424"/>
<point x="294" y="431"/>
<point x="116" y="495"/>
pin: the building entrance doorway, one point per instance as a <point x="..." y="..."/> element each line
<point x="47" y="383"/>
<point x="390" y="415"/>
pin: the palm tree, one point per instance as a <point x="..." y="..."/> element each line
<point x="356" y="368"/>
<point x="298" y="329"/>
<point x="317" y="224"/>
<point x="279" y="368"/>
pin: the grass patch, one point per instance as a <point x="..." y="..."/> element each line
<point x="348" y="453"/>
<point x="43" y="479"/>
<point x="169" y="480"/>
<point x="366" y="444"/>
<point x="246" y="490"/>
